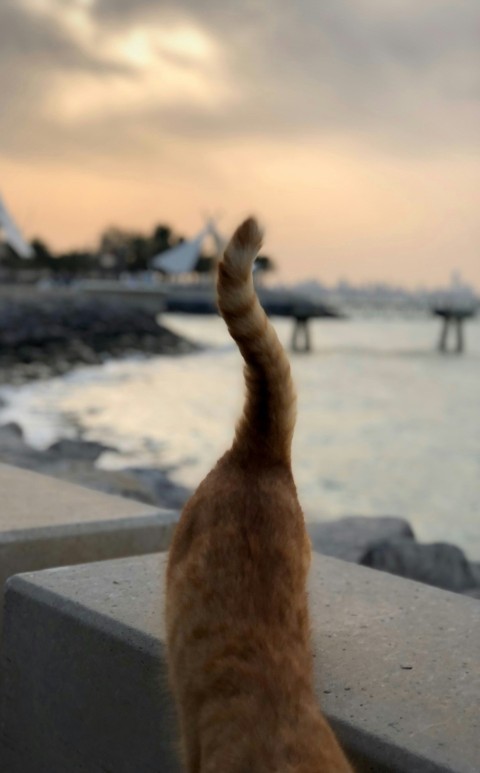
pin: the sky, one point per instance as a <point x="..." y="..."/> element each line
<point x="350" y="127"/>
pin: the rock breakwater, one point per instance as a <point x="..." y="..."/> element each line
<point x="388" y="544"/>
<point x="46" y="336"/>
<point x="75" y="461"/>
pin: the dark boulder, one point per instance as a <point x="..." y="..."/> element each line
<point x="86" y="450"/>
<point x="160" y="488"/>
<point x="439" y="564"/>
<point x="349" y="538"/>
<point x="11" y="432"/>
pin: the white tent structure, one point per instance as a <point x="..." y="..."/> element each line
<point x="183" y="258"/>
<point x="10" y="234"/>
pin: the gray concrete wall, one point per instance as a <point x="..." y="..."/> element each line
<point x="84" y="688"/>
<point x="45" y="523"/>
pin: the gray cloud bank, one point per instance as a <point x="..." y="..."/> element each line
<point x="405" y="75"/>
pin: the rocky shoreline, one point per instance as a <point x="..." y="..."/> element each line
<point x="383" y="543"/>
<point x="44" y="336"/>
<point x="389" y="545"/>
<point x="75" y="461"/>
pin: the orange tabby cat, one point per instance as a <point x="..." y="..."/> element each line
<point x="238" y="637"/>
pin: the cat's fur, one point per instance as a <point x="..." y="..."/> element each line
<point x="238" y="634"/>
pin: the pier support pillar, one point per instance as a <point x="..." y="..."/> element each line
<point x="459" y="326"/>
<point x="301" y="341"/>
<point x="456" y="322"/>
<point x="442" y="344"/>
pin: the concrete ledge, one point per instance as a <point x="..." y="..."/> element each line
<point x="84" y="670"/>
<point x="45" y="523"/>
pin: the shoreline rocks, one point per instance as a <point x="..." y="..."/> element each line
<point x="383" y="543"/>
<point x="350" y="537"/>
<point x="440" y="564"/>
<point x="43" y="337"/>
<point x="388" y="544"/>
<point x="74" y="461"/>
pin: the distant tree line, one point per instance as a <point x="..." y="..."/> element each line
<point x="118" y="251"/>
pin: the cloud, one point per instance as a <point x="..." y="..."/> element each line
<point x="395" y="69"/>
<point x="97" y="76"/>
<point x="35" y="49"/>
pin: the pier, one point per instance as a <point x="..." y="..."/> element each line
<point x="453" y="319"/>
<point x="199" y="298"/>
<point x="454" y="306"/>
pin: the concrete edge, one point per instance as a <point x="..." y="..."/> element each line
<point x="370" y="751"/>
<point x="373" y="754"/>
<point x="20" y="584"/>
<point x="58" y="531"/>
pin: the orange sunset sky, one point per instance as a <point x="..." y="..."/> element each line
<point x="351" y="127"/>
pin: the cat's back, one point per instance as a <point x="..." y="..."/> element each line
<point x="247" y="512"/>
<point x="240" y="555"/>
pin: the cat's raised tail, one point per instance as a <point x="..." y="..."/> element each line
<point x="265" y="429"/>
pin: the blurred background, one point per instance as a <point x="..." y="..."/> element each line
<point x="134" y="135"/>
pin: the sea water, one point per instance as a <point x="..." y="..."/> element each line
<point x="386" y="425"/>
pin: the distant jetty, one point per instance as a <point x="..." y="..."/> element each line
<point x="199" y="298"/>
<point x="454" y="306"/>
<point x="453" y="320"/>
